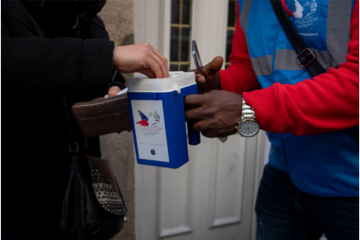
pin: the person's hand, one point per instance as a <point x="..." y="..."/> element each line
<point x="216" y="112"/>
<point x="113" y="91"/>
<point x="210" y="75"/>
<point x="141" y="58"/>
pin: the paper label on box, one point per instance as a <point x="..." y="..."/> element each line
<point x="149" y="122"/>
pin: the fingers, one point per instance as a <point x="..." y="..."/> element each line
<point x="216" y="112"/>
<point x="213" y="134"/>
<point x="212" y="67"/>
<point x="158" y="63"/>
<point x="209" y="75"/>
<point x="129" y="59"/>
<point x="200" y="79"/>
<point x="146" y="71"/>
<point x="161" y="63"/>
<point x="193" y="114"/>
<point x="216" y="64"/>
<point x="155" y="66"/>
<point x="200" y="126"/>
<point x="202" y="112"/>
<point x="164" y="63"/>
<point x="113" y="91"/>
<point x="203" y="127"/>
<point x="195" y="100"/>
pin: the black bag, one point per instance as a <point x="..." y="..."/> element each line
<point x="93" y="207"/>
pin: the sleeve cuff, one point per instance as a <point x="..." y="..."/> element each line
<point x="96" y="66"/>
<point x="225" y="81"/>
<point x="267" y="111"/>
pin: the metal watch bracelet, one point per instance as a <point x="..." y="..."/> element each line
<point x="247" y="111"/>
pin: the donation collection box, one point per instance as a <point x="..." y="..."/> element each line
<point x="158" y="118"/>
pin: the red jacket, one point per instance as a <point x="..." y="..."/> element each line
<point x="332" y="102"/>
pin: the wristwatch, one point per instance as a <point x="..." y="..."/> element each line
<point x="247" y="126"/>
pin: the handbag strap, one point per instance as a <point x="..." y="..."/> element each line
<point x="73" y="145"/>
<point x="306" y="57"/>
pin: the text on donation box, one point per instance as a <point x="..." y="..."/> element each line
<point x="150" y="130"/>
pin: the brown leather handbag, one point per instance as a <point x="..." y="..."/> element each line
<point x="93" y="207"/>
<point x="103" y="115"/>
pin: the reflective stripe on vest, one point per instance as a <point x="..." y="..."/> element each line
<point x="323" y="165"/>
<point x="337" y="32"/>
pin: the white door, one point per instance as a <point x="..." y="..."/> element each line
<point x="211" y="197"/>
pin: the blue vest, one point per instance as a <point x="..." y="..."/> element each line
<point x="321" y="165"/>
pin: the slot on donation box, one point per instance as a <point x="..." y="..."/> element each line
<point x="158" y="118"/>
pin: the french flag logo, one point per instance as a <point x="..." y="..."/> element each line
<point x="150" y="120"/>
<point x="144" y="120"/>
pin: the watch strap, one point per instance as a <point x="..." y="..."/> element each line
<point x="247" y="111"/>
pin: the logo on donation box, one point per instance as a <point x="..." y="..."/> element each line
<point x="150" y="130"/>
<point x="305" y="16"/>
<point x="149" y="123"/>
<point x="154" y="119"/>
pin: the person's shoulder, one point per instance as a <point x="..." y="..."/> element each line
<point x="95" y="29"/>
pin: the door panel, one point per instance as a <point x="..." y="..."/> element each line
<point x="212" y="196"/>
<point x="175" y="200"/>
<point x="227" y="183"/>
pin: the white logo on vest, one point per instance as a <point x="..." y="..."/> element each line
<point x="304" y="15"/>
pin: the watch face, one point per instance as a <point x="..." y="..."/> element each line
<point x="248" y="128"/>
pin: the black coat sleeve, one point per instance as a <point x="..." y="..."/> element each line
<point x="95" y="28"/>
<point x="56" y="67"/>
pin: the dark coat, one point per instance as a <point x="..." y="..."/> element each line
<point x="36" y="72"/>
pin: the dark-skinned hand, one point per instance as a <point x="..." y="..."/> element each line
<point x="216" y="112"/>
<point x="210" y="75"/>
